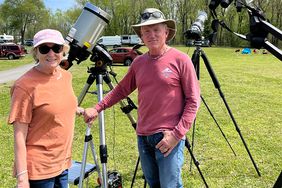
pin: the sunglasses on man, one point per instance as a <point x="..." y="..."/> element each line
<point x="56" y="48"/>
<point x="147" y="15"/>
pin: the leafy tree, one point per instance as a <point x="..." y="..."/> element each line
<point x="24" y="17"/>
<point x="21" y="15"/>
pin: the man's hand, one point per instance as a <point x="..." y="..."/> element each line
<point x="167" y="144"/>
<point x="90" y="114"/>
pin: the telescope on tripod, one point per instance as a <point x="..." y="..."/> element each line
<point x="82" y="39"/>
<point x="197" y="28"/>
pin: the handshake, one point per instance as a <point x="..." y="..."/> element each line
<point x="90" y="114"/>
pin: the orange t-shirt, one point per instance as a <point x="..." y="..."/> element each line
<point x="47" y="104"/>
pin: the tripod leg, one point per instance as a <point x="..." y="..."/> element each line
<point x="187" y="144"/>
<point x="85" y="89"/>
<point x="145" y="184"/>
<point x="193" y="139"/>
<point x="135" y="171"/>
<point x="84" y="158"/>
<point x="278" y="182"/>
<point x="217" y="85"/>
<point x="217" y="124"/>
<point x="103" y="146"/>
<point x="95" y="160"/>
<point x="196" y="63"/>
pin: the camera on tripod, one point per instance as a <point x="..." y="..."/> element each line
<point x="197" y="28"/>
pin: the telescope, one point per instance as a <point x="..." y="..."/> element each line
<point x="197" y="28"/>
<point x="83" y="35"/>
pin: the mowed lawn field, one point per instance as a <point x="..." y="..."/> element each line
<point x="252" y="87"/>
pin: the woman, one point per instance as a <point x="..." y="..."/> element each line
<point x="43" y="108"/>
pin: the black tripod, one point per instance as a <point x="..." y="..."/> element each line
<point x="196" y="61"/>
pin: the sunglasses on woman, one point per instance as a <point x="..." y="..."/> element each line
<point x="56" y="48"/>
<point x="147" y="15"/>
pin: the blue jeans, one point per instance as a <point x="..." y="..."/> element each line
<point x="60" y="181"/>
<point x="160" y="171"/>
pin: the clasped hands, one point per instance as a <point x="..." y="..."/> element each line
<point x="90" y="114"/>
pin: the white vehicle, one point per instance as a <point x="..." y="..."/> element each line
<point x="130" y="40"/>
<point x="6" y="38"/>
<point x="114" y="41"/>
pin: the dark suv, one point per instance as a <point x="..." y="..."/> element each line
<point x="28" y="42"/>
<point x="12" y="51"/>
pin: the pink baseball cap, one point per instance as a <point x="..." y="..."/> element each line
<point x="48" y="36"/>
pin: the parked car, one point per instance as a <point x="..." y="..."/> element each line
<point x="130" y="40"/>
<point x="28" y="42"/>
<point x="12" y="51"/>
<point x="114" y="41"/>
<point x="125" y="55"/>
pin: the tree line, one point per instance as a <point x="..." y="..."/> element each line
<point x="23" y="18"/>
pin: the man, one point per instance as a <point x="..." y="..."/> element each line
<point x="168" y="99"/>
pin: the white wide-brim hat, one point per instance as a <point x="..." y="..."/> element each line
<point x="156" y="20"/>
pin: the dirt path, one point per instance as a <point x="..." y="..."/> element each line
<point x="13" y="74"/>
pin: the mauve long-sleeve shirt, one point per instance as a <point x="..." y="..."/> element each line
<point x="168" y="93"/>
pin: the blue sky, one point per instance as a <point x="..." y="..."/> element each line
<point x="57" y="4"/>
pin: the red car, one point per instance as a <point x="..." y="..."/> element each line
<point x="12" y="51"/>
<point x="124" y="55"/>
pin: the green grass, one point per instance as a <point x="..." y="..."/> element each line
<point x="252" y="88"/>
